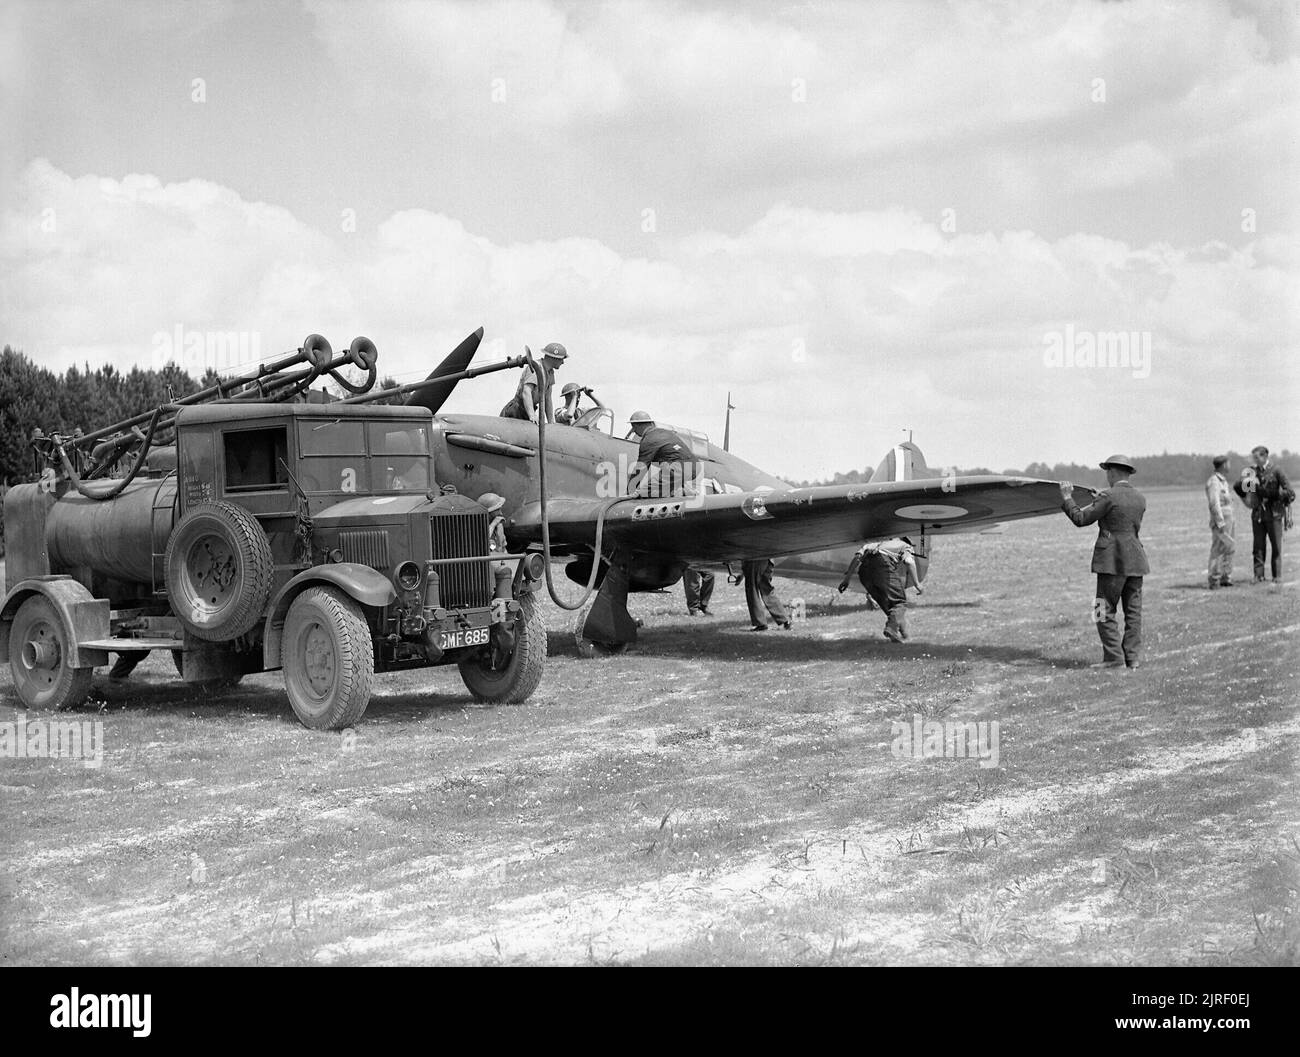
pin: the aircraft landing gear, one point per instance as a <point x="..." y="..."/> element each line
<point x="604" y="626"/>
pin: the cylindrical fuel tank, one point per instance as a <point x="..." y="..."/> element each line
<point x="116" y="537"/>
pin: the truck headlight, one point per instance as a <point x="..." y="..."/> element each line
<point x="408" y="576"/>
<point x="535" y="565"/>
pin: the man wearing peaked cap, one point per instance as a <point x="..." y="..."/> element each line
<point x="1118" y="559"/>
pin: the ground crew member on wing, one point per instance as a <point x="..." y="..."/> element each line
<point x="533" y="397"/>
<point x="668" y="460"/>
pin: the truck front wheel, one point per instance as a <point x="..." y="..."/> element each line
<point x="328" y="657"/>
<point x="38" y="658"/>
<point x="516" y="677"/>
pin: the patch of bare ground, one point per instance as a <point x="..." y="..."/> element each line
<point x="713" y="796"/>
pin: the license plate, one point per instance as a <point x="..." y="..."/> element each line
<point x="454" y="640"/>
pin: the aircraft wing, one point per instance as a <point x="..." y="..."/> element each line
<point x="739" y="525"/>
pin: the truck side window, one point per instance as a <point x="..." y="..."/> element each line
<point x="400" y="456"/>
<point x="255" y="459"/>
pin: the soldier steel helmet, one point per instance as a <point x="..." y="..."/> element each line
<point x="492" y="501"/>
<point x="1120" y="462"/>
<point x="641" y="416"/>
<point x="555" y="351"/>
<point x="570" y="387"/>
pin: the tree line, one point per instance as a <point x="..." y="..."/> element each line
<point x="1176" y="470"/>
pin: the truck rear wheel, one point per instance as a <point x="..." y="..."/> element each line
<point x="329" y="660"/>
<point x="38" y="658"/>
<point x="512" y="682"/>
<point x="219" y="571"/>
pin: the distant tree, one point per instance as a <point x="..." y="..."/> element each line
<point x="1155" y="471"/>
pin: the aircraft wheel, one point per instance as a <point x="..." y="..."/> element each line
<point x="329" y="659"/>
<point x="517" y="678"/>
<point x="38" y="658"/>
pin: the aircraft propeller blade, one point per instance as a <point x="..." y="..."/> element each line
<point x="434" y="396"/>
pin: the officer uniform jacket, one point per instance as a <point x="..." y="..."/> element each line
<point x="1118" y="512"/>
<point x="1218" y="494"/>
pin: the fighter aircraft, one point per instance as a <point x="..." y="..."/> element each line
<point x="574" y="504"/>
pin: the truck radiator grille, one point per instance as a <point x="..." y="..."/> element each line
<point x="462" y="536"/>
<point x="365" y="547"/>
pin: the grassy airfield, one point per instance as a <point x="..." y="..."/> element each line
<point x="716" y="796"/>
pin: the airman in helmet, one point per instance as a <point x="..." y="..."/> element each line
<point x="492" y="503"/>
<point x="669" y="464"/>
<point x="533" y="397"/>
<point x="572" y="394"/>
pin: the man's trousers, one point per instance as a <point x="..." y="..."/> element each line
<point x="1113" y="591"/>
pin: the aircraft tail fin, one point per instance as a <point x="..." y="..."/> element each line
<point x="903" y="462"/>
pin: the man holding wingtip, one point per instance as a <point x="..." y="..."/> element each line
<point x="1118" y="559"/>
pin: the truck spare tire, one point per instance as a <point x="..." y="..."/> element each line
<point x="219" y="571"/>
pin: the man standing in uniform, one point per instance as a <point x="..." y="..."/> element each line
<point x="1270" y="513"/>
<point x="761" y="596"/>
<point x="533" y="397"/>
<point x="1222" y="525"/>
<point x="1118" y="559"/>
<point x="669" y="465"/>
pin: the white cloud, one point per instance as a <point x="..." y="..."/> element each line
<point x="877" y="79"/>
<point x="839" y="322"/>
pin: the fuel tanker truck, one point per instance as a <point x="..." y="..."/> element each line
<point x="270" y="534"/>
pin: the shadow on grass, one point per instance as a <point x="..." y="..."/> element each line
<point x="732" y="642"/>
<point x="443" y="695"/>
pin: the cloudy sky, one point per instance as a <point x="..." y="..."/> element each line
<point x="859" y="218"/>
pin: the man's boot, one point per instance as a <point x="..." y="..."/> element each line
<point x="891" y="626"/>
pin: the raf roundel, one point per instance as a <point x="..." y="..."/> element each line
<point x="930" y="513"/>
